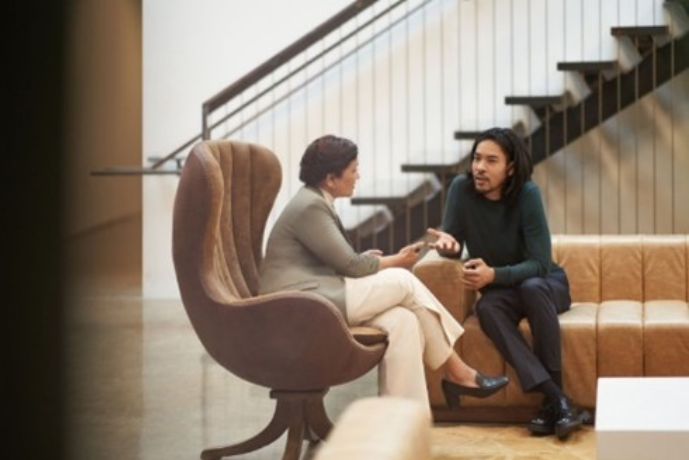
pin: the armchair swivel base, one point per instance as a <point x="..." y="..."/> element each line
<point x="301" y="413"/>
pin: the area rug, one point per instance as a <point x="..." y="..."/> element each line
<point x="494" y="442"/>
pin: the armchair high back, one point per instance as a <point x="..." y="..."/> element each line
<point x="295" y="343"/>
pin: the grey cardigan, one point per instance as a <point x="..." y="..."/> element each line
<point x="308" y="250"/>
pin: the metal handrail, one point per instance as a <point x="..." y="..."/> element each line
<point x="318" y="74"/>
<point x="251" y="78"/>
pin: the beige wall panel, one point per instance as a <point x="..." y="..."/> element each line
<point x="104" y="128"/>
<point x="645" y="154"/>
<point x="610" y="181"/>
<point x="574" y="200"/>
<point x="630" y="176"/>
<point x="591" y="183"/>
<point x="556" y="193"/>
<point x="629" y="169"/>
<point x="679" y="141"/>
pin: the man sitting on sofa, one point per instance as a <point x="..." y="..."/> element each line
<point x="497" y="211"/>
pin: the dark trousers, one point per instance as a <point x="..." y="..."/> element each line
<point x="539" y="300"/>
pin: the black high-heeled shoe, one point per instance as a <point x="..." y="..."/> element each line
<point x="486" y="387"/>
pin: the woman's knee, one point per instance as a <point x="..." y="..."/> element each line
<point x="398" y="322"/>
<point x="398" y="276"/>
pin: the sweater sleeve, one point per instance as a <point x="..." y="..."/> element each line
<point x="451" y="218"/>
<point x="536" y="239"/>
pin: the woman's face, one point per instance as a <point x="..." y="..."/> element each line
<point x="343" y="186"/>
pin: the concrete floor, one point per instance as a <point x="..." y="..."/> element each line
<point x="140" y="386"/>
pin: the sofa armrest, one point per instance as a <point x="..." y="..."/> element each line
<point x="442" y="276"/>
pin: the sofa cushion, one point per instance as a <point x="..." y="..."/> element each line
<point x="579" y="359"/>
<point x="666" y="338"/>
<point x="665" y="267"/>
<point x="620" y="338"/>
<point x="580" y="255"/>
<point x="622" y="274"/>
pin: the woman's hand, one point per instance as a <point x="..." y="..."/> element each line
<point x="409" y="255"/>
<point x="405" y="258"/>
<point x="476" y="274"/>
<point x="444" y="243"/>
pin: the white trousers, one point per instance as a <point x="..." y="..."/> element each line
<point x="420" y="329"/>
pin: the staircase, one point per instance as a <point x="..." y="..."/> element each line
<point x="338" y="72"/>
<point x="560" y="124"/>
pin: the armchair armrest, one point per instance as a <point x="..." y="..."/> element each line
<point x="442" y="275"/>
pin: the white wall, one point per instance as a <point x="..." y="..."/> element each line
<point x="449" y="68"/>
<point x="191" y="50"/>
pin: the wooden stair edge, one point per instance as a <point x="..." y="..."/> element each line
<point x="534" y="101"/>
<point x="466" y="135"/>
<point x="427" y="188"/>
<point x="636" y="31"/>
<point x="134" y="171"/>
<point x="587" y="66"/>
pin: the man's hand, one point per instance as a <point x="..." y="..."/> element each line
<point x="444" y="243"/>
<point x="476" y="274"/>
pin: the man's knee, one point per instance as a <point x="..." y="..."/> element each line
<point x="486" y="315"/>
<point x="531" y="286"/>
<point x="534" y="291"/>
<point x="539" y="303"/>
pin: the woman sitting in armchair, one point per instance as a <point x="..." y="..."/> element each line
<point x="309" y="250"/>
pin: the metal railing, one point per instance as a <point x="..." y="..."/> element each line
<point x="400" y="76"/>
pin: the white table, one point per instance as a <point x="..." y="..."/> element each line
<point x="642" y="418"/>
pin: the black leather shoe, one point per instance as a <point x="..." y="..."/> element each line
<point x="486" y="387"/>
<point x="559" y="417"/>
<point x="568" y="418"/>
<point x="543" y="423"/>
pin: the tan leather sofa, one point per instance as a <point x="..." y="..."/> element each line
<point x="629" y="317"/>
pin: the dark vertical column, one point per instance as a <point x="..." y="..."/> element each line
<point x="32" y="371"/>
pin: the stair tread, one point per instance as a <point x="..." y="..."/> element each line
<point x="399" y="191"/>
<point x="435" y="168"/>
<point x="466" y="135"/>
<point x="134" y="171"/>
<point x="587" y="66"/>
<point x="353" y="217"/>
<point x="534" y="101"/>
<point x="390" y="201"/>
<point x="635" y="31"/>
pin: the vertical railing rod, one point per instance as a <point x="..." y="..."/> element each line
<point x="293" y="72"/>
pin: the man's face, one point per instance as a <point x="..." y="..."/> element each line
<point x="490" y="169"/>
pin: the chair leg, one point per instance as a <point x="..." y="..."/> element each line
<point x="295" y="440"/>
<point x="316" y="417"/>
<point x="296" y="412"/>
<point x="285" y="411"/>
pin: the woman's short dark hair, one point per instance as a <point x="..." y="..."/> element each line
<point x="516" y="152"/>
<point x="326" y="155"/>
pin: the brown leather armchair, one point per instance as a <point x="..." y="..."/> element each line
<point x="295" y="343"/>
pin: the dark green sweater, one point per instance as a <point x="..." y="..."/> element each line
<point x="511" y="237"/>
